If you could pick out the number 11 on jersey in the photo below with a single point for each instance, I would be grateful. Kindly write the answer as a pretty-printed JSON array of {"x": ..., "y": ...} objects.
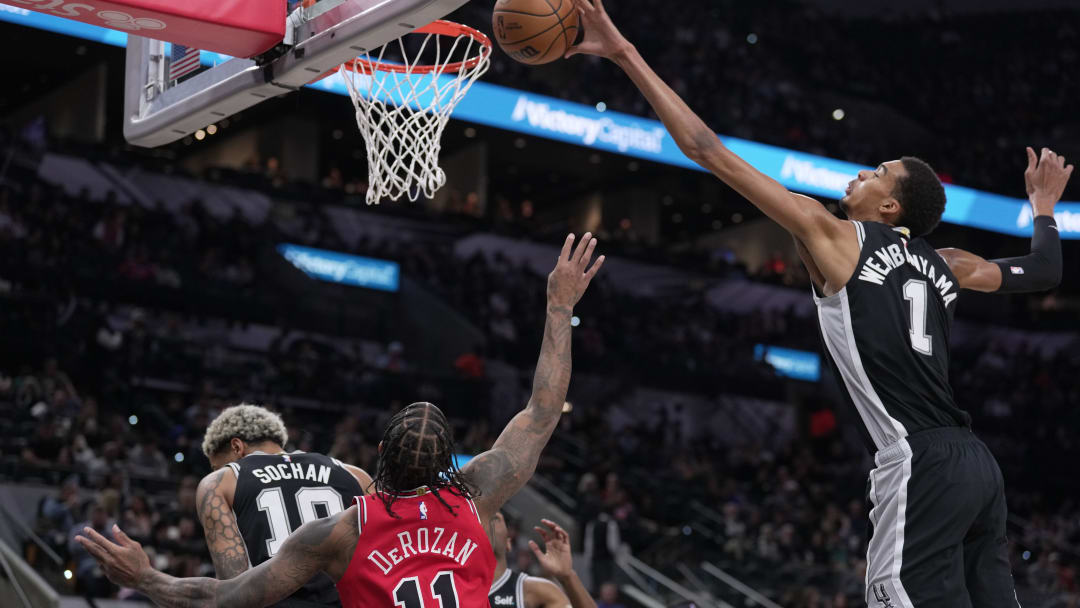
[{"x": 407, "y": 593}]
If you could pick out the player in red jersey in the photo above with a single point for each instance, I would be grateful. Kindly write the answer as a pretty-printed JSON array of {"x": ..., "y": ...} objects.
[
  {"x": 393, "y": 548},
  {"x": 423, "y": 542}
]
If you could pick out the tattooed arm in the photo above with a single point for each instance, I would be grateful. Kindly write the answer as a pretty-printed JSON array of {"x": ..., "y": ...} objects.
[
  {"x": 213, "y": 500},
  {"x": 509, "y": 464},
  {"x": 325, "y": 544}
]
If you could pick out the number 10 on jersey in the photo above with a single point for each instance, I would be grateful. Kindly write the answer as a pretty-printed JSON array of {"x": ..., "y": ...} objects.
[{"x": 271, "y": 501}]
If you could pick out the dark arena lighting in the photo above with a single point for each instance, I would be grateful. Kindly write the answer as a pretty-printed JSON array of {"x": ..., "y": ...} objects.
[{"x": 417, "y": 302}]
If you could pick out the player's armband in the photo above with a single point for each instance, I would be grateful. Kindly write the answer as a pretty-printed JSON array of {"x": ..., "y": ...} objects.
[{"x": 1040, "y": 270}]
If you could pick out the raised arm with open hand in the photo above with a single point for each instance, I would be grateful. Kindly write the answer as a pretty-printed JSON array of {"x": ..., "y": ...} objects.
[
  {"x": 557, "y": 562},
  {"x": 509, "y": 464},
  {"x": 1045, "y": 179}
]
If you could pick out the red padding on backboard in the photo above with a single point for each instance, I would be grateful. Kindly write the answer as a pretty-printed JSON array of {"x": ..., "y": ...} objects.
[{"x": 241, "y": 28}]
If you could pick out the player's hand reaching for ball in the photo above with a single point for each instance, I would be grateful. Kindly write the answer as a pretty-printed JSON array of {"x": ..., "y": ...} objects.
[
  {"x": 556, "y": 559},
  {"x": 572, "y": 274},
  {"x": 1046, "y": 179},
  {"x": 124, "y": 562},
  {"x": 602, "y": 38}
]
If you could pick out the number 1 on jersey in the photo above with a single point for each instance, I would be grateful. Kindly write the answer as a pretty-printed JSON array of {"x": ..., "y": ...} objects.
[
  {"x": 915, "y": 293},
  {"x": 407, "y": 592}
]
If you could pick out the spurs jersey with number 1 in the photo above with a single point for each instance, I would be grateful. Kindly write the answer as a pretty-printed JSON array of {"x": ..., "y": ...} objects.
[
  {"x": 886, "y": 336},
  {"x": 278, "y": 493},
  {"x": 422, "y": 555}
]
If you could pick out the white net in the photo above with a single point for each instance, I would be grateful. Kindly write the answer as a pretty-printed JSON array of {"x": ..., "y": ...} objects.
[{"x": 402, "y": 109}]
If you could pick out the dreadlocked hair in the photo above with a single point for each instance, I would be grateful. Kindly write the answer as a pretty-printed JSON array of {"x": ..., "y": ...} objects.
[{"x": 418, "y": 450}]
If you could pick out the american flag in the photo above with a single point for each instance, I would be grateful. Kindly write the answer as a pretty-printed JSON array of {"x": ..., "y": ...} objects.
[{"x": 185, "y": 60}]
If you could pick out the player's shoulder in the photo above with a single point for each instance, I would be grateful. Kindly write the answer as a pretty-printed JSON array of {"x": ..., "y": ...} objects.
[
  {"x": 318, "y": 457},
  {"x": 461, "y": 501},
  {"x": 539, "y": 582},
  {"x": 302, "y": 455},
  {"x": 823, "y": 217},
  {"x": 541, "y": 588},
  {"x": 215, "y": 479},
  {"x": 221, "y": 482}
]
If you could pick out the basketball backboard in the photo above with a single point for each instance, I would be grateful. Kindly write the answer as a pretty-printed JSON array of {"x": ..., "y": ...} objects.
[{"x": 317, "y": 39}]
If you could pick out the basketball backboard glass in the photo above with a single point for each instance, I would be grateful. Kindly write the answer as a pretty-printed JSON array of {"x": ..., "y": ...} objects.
[{"x": 316, "y": 40}]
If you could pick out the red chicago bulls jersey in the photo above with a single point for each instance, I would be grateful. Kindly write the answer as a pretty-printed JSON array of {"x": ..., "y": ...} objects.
[{"x": 424, "y": 557}]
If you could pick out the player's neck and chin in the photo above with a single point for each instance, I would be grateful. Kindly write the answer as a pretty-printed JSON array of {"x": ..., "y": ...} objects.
[
  {"x": 853, "y": 215},
  {"x": 268, "y": 448},
  {"x": 500, "y": 567}
]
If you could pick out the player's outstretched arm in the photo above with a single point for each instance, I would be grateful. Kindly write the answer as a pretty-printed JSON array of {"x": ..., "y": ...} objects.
[
  {"x": 1045, "y": 178},
  {"x": 213, "y": 502},
  {"x": 324, "y": 544},
  {"x": 509, "y": 464},
  {"x": 557, "y": 562},
  {"x": 698, "y": 141}
]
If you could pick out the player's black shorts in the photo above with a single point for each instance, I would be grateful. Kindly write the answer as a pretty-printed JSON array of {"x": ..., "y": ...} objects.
[{"x": 938, "y": 525}]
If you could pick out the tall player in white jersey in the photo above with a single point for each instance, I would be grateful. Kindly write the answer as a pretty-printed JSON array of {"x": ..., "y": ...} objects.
[{"x": 885, "y": 300}]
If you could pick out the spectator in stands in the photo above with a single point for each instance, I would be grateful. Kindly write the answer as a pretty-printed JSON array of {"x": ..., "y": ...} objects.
[
  {"x": 393, "y": 358},
  {"x": 146, "y": 459},
  {"x": 136, "y": 265},
  {"x": 54, "y": 379},
  {"x": 609, "y": 596},
  {"x": 46, "y": 447},
  {"x": 11, "y": 226},
  {"x": 274, "y": 173},
  {"x": 470, "y": 364},
  {"x": 109, "y": 459},
  {"x": 88, "y": 576},
  {"x": 333, "y": 180},
  {"x": 28, "y": 389},
  {"x": 602, "y": 542},
  {"x": 58, "y": 513},
  {"x": 139, "y": 519},
  {"x": 110, "y": 230}
]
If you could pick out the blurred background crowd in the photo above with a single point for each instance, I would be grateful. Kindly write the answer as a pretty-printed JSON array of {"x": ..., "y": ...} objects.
[
  {"x": 966, "y": 92},
  {"x": 126, "y": 331},
  {"x": 141, "y": 292}
]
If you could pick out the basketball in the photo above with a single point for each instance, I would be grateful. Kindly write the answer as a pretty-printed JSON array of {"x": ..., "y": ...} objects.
[{"x": 535, "y": 31}]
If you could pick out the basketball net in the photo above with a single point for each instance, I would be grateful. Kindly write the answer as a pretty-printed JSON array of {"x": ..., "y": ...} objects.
[{"x": 402, "y": 108}]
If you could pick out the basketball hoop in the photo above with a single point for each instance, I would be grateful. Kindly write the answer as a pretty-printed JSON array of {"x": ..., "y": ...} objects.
[{"x": 402, "y": 108}]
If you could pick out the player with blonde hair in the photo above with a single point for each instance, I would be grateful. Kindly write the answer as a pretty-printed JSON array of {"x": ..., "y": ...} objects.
[
  {"x": 258, "y": 494},
  {"x": 420, "y": 538}
]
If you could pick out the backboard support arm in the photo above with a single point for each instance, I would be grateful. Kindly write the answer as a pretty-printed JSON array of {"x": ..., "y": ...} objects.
[{"x": 157, "y": 114}]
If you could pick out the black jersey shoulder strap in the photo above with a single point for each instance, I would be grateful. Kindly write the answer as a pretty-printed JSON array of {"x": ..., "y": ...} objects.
[{"x": 508, "y": 591}]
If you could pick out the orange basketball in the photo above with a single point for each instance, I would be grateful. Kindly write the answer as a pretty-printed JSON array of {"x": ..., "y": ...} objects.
[{"x": 535, "y": 31}]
